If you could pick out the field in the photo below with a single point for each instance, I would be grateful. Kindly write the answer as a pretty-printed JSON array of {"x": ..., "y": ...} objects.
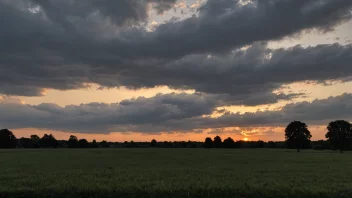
[{"x": 172, "y": 173}]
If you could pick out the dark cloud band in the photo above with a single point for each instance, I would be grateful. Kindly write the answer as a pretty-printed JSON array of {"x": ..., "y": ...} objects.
[
  {"x": 165, "y": 113},
  {"x": 66, "y": 44}
]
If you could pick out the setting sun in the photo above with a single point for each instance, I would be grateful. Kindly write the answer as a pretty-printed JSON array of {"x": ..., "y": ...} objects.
[{"x": 245, "y": 139}]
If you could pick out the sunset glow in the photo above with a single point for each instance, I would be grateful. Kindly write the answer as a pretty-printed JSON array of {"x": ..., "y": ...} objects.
[
  {"x": 176, "y": 98},
  {"x": 174, "y": 70}
]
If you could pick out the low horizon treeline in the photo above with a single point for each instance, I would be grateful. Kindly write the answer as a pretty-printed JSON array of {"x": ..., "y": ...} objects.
[
  {"x": 49, "y": 141},
  {"x": 297, "y": 136}
]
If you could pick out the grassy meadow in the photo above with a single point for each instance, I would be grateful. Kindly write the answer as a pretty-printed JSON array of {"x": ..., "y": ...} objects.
[{"x": 172, "y": 173}]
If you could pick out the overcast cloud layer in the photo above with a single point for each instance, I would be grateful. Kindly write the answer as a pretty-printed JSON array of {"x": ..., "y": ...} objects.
[
  {"x": 165, "y": 113},
  {"x": 66, "y": 44}
]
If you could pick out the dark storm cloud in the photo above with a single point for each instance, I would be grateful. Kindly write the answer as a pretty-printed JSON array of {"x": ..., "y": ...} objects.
[
  {"x": 252, "y": 74},
  {"x": 121, "y": 12},
  {"x": 315, "y": 112},
  {"x": 164, "y": 113},
  {"x": 66, "y": 44},
  {"x": 223, "y": 25},
  {"x": 126, "y": 115},
  {"x": 103, "y": 118}
]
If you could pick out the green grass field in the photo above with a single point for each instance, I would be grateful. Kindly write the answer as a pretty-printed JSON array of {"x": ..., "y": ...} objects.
[{"x": 175, "y": 173}]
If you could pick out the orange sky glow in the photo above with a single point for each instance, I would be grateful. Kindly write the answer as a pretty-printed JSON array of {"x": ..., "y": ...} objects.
[
  {"x": 106, "y": 82},
  {"x": 277, "y": 134}
]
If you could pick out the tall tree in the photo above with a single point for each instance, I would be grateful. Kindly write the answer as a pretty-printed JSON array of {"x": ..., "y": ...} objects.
[
  {"x": 104, "y": 144},
  {"x": 82, "y": 143},
  {"x": 297, "y": 135},
  {"x": 339, "y": 134},
  {"x": 153, "y": 143},
  {"x": 94, "y": 144},
  {"x": 229, "y": 143},
  {"x": 26, "y": 143},
  {"x": 35, "y": 139},
  {"x": 217, "y": 142},
  {"x": 7, "y": 139},
  {"x": 208, "y": 143},
  {"x": 48, "y": 141},
  {"x": 72, "y": 142}
]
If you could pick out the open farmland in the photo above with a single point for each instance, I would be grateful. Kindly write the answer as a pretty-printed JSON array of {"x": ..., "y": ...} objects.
[{"x": 174, "y": 173}]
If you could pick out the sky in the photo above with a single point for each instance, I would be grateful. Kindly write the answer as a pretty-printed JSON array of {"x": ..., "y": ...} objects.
[{"x": 174, "y": 70}]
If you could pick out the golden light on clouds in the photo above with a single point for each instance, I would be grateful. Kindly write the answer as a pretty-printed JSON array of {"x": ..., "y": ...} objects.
[
  {"x": 113, "y": 95},
  {"x": 197, "y": 4},
  {"x": 92, "y": 93},
  {"x": 181, "y": 4},
  {"x": 249, "y": 131}
]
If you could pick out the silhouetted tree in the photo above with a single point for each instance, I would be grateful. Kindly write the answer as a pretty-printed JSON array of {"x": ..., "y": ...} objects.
[
  {"x": 240, "y": 144},
  {"x": 72, "y": 142},
  {"x": 153, "y": 143},
  {"x": 83, "y": 143},
  {"x": 104, "y": 144},
  {"x": 261, "y": 144},
  {"x": 7, "y": 139},
  {"x": 297, "y": 135},
  {"x": 26, "y": 143},
  {"x": 339, "y": 134},
  {"x": 132, "y": 144},
  {"x": 167, "y": 144},
  {"x": 62, "y": 144},
  {"x": 208, "y": 143},
  {"x": 35, "y": 139},
  {"x": 191, "y": 144},
  {"x": 229, "y": 143},
  {"x": 94, "y": 144},
  {"x": 48, "y": 141},
  {"x": 217, "y": 142}
]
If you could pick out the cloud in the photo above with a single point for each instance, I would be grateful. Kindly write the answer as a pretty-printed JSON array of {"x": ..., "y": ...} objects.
[
  {"x": 226, "y": 24},
  {"x": 269, "y": 132},
  {"x": 257, "y": 69},
  {"x": 122, "y": 12},
  {"x": 166, "y": 113},
  {"x": 252, "y": 74},
  {"x": 163, "y": 5},
  {"x": 313, "y": 113},
  {"x": 67, "y": 44},
  {"x": 104, "y": 118},
  {"x": 224, "y": 131}
]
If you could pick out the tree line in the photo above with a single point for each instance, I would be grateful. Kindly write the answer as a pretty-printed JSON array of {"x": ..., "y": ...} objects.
[
  {"x": 297, "y": 136},
  {"x": 339, "y": 135}
]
